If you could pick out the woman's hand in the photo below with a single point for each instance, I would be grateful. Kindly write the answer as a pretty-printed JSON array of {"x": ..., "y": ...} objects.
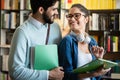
[
  {"x": 98, "y": 51},
  {"x": 101, "y": 71}
]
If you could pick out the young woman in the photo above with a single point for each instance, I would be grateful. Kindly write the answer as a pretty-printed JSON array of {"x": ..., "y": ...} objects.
[{"x": 78, "y": 48}]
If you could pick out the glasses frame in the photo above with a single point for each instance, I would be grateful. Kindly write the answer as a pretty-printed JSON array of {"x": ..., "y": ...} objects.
[{"x": 75, "y": 15}]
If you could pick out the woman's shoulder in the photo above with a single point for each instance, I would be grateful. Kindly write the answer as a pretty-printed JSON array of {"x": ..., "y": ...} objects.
[{"x": 68, "y": 37}]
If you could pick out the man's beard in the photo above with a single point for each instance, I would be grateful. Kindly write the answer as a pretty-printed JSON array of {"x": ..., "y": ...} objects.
[{"x": 46, "y": 18}]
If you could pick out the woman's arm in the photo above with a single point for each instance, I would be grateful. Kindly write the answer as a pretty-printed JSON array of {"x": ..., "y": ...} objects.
[{"x": 66, "y": 58}]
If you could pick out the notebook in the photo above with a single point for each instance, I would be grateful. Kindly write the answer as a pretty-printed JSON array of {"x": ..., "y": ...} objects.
[
  {"x": 44, "y": 57},
  {"x": 95, "y": 64}
]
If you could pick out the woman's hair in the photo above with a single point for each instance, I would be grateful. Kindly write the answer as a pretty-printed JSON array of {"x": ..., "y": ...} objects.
[
  {"x": 81, "y": 8},
  {"x": 35, "y": 4}
]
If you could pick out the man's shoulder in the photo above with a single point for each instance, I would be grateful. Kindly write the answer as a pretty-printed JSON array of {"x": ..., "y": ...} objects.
[
  {"x": 55, "y": 27},
  {"x": 55, "y": 24},
  {"x": 24, "y": 27}
]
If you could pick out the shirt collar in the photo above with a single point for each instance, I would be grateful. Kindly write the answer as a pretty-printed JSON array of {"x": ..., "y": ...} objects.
[
  {"x": 36, "y": 23},
  {"x": 73, "y": 35}
]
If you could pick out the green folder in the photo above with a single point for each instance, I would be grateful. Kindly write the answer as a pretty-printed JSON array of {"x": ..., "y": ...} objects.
[
  {"x": 95, "y": 64},
  {"x": 44, "y": 57}
]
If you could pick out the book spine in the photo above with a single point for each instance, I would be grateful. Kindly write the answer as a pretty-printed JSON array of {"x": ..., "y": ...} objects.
[{"x": 108, "y": 44}]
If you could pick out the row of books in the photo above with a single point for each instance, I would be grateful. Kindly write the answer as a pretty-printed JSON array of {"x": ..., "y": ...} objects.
[
  {"x": 101, "y": 21},
  {"x": 4, "y": 76},
  {"x": 90, "y": 4},
  {"x": 113, "y": 43},
  {"x": 15, "y": 4},
  {"x": 8, "y": 4},
  {"x": 11, "y": 20},
  {"x": 4, "y": 63},
  {"x": 109, "y": 42}
]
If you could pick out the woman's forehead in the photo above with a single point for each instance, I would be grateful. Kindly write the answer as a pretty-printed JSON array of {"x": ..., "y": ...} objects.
[{"x": 74, "y": 10}]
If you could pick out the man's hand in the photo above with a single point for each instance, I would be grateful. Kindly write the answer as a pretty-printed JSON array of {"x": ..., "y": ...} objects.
[{"x": 56, "y": 74}]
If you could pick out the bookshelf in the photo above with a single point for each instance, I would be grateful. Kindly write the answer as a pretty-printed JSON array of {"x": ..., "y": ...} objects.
[
  {"x": 19, "y": 10},
  {"x": 13, "y": 13},
  {"x": 107, "y": 34},
  {"x": 106, "y": 28}
]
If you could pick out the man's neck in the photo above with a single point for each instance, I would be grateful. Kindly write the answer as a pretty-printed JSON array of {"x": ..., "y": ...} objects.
[{"x": 38, "y": 18}]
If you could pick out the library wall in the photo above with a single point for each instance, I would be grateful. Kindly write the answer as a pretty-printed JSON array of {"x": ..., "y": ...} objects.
[
  {"x": 104, "y": 26},
  {"x": 13, "y": 14}
]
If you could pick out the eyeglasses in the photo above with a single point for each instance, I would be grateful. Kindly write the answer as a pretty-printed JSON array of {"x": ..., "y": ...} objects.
[{"x": 75, "y": 15}]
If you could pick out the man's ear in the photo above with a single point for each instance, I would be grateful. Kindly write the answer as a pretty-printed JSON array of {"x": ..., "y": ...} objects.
[{"x": 41, "y": 10}]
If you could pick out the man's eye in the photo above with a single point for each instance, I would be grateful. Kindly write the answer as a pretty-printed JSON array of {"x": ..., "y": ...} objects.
[{"x": 55, "y": 9}]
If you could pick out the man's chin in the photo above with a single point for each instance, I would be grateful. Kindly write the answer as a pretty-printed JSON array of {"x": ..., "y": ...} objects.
[{"x": 50, "y": 22}]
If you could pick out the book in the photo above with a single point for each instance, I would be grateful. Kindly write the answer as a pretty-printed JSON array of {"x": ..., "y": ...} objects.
[
  {"x": 115, "y": 75},
  {"x": 95, "y": 64},
  {"x": 44, "y": 57},
  {"x": 4, "y": 62}
]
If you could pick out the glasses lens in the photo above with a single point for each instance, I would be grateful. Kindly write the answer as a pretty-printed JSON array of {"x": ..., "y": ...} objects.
[
  {"x": 69, "y": 16},
  {"x": 77, "y": 15}
]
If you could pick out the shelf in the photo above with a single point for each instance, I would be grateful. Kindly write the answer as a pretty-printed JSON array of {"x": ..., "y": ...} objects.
[
  {"x": 5, "y": 72},
  {"x": 4, "y": 46},
  {"x": 108, "y": 78},
  {"x": 8, "y": 10},
  {"x": 99, "y": 33},
  {"x": 112, "y": 56},
  {"x": 106, "y": 11},
  {"x": 114, "y": 33}
]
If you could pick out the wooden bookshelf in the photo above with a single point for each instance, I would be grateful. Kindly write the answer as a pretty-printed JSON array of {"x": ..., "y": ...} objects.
[
  {"x": 12, "y": 14},
  {"x": 112, "y": 47}
]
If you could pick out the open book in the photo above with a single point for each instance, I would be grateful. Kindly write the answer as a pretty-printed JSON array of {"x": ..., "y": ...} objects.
[
  {"x": 95, "y": 64},
  {"x": 44, "y": 57}
]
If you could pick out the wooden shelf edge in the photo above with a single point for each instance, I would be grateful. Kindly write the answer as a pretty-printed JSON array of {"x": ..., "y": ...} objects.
[
  {"x": 112, "y": 56},
  {"x": 4, "y": 46}
]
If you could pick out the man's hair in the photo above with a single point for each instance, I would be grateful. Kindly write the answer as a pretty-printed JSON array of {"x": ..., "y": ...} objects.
[{"x": 35, "y": 4}]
